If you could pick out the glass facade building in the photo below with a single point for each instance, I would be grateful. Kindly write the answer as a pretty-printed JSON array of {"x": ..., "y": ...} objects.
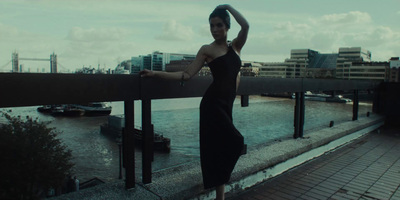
[{"x": 157, "y": 61}]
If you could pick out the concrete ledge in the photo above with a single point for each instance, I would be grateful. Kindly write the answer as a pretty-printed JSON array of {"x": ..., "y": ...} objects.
[
  {"x": 259, "y": 164},
  {"x": 110, "y": 191}
]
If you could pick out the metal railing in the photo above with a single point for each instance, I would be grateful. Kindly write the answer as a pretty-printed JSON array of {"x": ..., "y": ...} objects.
[{"x": 29, "y": 89}]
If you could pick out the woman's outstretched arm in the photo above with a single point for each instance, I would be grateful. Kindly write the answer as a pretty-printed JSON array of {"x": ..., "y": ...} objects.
[
  {"x": 240, "y": 40},
  {"x": 190, "y": 71}
]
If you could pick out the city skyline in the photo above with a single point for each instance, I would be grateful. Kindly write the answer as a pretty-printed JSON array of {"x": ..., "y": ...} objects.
[{"x": 105, "y": 33}]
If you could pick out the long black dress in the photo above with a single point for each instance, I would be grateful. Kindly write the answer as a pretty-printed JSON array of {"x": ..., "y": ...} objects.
[{"x": 220, "y": 142}]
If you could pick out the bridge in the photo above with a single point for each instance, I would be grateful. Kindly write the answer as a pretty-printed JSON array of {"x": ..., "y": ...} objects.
[
  {"x": 16, "y": 67},
  {"x": 24, "y": 89}
]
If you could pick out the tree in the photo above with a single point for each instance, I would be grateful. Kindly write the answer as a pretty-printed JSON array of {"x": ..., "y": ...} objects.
[{"x": 33, "y": 160}]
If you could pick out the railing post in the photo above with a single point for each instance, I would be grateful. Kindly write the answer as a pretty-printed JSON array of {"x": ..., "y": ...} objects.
[
  {"x": 302, "y": 113},
  {"x": 120, "y": 158},
  {"x": 333, "y": 93},
  {"x": 299, "y": 110},
  {"x": 147, "y": 141},
  {"x": 296, "y": 118},
  {"x": 244, "y": 100},
  {"x": 355, "y": 105},
  {"x": 124, "y": 147},
  {"x": 129, "y": 145},
  {"x": 376, "y": 100}
]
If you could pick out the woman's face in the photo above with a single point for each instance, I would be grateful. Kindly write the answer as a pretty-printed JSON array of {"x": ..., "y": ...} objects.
[{"x": 218, "y": 28}]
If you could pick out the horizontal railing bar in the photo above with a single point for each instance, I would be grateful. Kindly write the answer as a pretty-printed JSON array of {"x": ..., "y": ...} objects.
[{"x": 29, "y": 89}]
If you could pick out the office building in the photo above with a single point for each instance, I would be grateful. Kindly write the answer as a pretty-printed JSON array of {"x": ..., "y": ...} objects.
[
  {"x": 363, "y": 71},
  {"x": 279, "y": 70},
  {"x": 123, "y": 68},
  {"x": 354, "y": 63},
  {"x": 250, "y": 69},
  {"x": 177, "y": 65},
  {"x": 353, "y": 54},
  {"x": 157, "y": 61},
  {"x": 394, "y": 62},
  {"x": 302, "y": 63},
  {"x": 351, "y": 63}
]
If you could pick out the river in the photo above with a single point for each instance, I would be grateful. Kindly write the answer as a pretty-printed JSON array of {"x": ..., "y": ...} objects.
[{"x": 266, "y": 119}]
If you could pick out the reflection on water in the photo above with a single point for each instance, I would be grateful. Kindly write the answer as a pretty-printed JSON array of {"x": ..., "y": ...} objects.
[{"x": 266, "y": 119}]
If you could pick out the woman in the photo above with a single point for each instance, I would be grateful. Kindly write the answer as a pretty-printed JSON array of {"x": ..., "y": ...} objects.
[{"x": 220, "y": 143}]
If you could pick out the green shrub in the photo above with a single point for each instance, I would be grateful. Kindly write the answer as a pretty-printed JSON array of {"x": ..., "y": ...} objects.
[{"x": 32, "y": 159}]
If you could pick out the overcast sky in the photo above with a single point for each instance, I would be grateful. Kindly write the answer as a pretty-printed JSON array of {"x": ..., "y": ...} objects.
[{"x": 92, "y": 32}]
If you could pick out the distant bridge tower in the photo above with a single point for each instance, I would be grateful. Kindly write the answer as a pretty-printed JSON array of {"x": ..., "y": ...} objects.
[
  {"x": 15, "y": 62},
  {"x": 53, "y": 63}
]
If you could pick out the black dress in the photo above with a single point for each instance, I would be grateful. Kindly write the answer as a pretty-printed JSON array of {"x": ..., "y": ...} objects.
[{"x": 220, "y": 142}]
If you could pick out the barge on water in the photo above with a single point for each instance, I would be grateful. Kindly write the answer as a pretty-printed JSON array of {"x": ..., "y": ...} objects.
[
  {"x": 114, "y": 128},
  {"x": 311, "y": 96},
  {"x": 73, "y": 110},
  {"x": 324, "y": 97}
]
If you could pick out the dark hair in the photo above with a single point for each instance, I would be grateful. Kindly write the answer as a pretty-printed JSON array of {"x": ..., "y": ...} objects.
[{"x": 222, "y": 14}]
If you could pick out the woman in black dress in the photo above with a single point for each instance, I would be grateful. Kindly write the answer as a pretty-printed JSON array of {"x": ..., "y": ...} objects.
[{"x": 220, "y": 143}]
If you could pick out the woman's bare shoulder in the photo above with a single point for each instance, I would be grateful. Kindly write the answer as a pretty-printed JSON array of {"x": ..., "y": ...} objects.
[{"x": 206, "y": 49}]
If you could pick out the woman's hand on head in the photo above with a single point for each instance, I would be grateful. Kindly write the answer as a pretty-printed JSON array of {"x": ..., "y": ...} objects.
[
  {"x": 146, "y": 73},
  {"x": 223, "y": 6}
]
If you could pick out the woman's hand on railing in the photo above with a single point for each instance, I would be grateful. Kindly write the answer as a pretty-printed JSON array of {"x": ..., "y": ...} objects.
[{"x": 146, "y": 73}]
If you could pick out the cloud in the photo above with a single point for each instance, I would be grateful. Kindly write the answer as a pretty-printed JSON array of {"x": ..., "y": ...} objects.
[
  {"x": 380, "y": 36},
  {"x": 15, "y": 39},
  {"x": 353, "y": 29},
  {"x": 353, "y": 17},
  {"x": 174, "y": 31},
  {"x": 96, "y": 35},
  {"x": 7, "y": 31},
  {"x": 326, "y": 34},
  {"x": 290, "y": 27},
  {"x": 204, "y": 31},
  {"x": 107, "y": 46}
]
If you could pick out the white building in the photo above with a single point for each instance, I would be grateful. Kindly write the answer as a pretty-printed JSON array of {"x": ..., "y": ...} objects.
[
  {"x": 394, "y": 62},
  {"x": 279, "y": 70},
  {"x": 363, "y": 71},
  {"x": 353, "y": 54},
  {"x": 354, "y": 63}
]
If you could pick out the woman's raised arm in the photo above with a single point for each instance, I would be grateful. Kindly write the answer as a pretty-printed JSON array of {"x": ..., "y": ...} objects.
[{"x": 240, "y": 40}]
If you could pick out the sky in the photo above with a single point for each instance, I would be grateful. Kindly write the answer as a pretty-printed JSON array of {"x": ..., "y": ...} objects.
[{"x": 100, "y": 33}]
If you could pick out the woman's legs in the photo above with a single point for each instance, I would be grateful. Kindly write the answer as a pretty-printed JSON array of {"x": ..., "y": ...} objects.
[{"x": 220, "y": 190}]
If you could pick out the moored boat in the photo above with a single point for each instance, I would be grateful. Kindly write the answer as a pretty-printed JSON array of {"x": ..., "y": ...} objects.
[
  {"x": 161, "y": 143},
  {"x": 95, "y": 108},
  {"x": 324, "y": 97},
  {"x": 57, "y": 110},
  {"x": 61, "y": 110},
  {"x": 45, "y": 109},
  {"x": 116, "y": 124},
  {"x": 70, "y": 110}
]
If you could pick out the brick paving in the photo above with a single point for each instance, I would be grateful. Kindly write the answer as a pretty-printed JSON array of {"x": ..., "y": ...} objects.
[{"x": 368, "y": 168}]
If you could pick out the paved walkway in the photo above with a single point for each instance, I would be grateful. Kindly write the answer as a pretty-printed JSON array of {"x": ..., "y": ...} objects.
[{"x": 368, "y": 168}]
